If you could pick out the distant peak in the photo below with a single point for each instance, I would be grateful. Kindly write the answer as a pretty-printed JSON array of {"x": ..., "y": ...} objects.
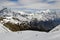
[{"x": 47, "y": 10}]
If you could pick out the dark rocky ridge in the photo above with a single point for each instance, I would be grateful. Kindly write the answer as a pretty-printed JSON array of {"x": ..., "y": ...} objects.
[
  {"x": 44, "y": 25},
  {"x": 35, "y": 25}
]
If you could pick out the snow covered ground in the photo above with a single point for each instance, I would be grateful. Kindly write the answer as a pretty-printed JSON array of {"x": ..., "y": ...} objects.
[{"x": 30, "y": 35}]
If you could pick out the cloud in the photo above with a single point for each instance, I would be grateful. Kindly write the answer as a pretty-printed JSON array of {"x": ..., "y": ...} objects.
[
  {"x": 41, "y": 4},
  {"x": 7, "y": 3},
  {"x": 36, "y": 4},
  {"x": 25, "y": 2},
  {"x": 14, "y": 0}
]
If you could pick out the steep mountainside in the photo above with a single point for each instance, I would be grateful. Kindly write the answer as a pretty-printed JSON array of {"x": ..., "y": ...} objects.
[{"x": 42, "y": 21}]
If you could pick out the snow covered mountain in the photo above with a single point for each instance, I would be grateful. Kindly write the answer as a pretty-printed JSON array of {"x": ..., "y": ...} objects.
[
  {"x": 40, "y": 20},
  {"x": 13, "y": 22},
  {"x": 41, "y": 15}
]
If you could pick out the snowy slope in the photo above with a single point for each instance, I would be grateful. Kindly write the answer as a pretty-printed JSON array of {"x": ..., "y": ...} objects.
[
  {"x": 30, "y": 35},
  {"x": 57, "y": 28},
  {"x": 4, "y": 29}
]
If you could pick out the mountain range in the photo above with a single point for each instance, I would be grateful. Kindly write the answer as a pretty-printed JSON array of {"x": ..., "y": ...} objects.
[{"x": 44, "y": 20}]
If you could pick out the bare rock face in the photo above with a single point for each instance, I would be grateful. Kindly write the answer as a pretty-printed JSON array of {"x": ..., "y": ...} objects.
[
  {"x": 44, "y": 25},
  {"x": 34, "y": 25}
]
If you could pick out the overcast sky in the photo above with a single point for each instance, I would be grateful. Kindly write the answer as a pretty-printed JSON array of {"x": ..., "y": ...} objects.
[{"x": 34, "y": 4}]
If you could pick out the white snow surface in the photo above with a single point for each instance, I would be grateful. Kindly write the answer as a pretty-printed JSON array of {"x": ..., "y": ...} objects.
[
  {"x": 57, "y": 28},
  {"x": 30, "y": 35}
]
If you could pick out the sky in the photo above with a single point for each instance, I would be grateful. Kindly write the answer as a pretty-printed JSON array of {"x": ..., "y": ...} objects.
[{"x": 34, "y": 4}]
